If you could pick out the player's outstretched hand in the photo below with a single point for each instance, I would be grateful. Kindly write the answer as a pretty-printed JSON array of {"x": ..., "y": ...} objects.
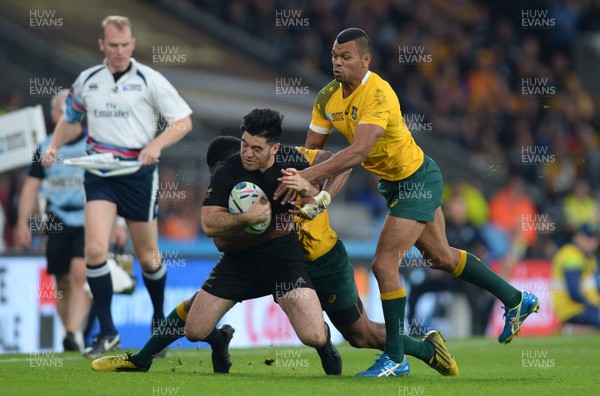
[
  {"x": 292, "y": 179},
  {"x": 286, "y": 194},
  {"x": 292, "y": 184}
]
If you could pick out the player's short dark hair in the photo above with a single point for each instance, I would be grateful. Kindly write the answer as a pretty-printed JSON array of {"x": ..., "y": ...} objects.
[
  {"x": 221, "y": 148},
  {"x": 264, "y": 123},
  {"x": 362, "y": 39}
]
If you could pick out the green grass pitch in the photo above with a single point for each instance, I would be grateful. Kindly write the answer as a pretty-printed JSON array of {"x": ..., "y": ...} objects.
[{"x": 528, "y": 366}]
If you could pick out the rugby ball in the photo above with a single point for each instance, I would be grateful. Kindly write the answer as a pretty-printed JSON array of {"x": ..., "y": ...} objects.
[{"x": 242, "y": 196}]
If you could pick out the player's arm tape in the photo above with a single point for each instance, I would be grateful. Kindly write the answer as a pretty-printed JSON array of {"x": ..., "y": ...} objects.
[{"x": 323, "y": 199}]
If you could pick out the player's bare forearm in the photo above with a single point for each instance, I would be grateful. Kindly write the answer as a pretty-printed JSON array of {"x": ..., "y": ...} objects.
[
  {"x": 216, "y": 221},
  {"x": 335, "y": 184},
  {"x": 341, "y": 162},
  {"x": 363, "y": 141},
  {"x": 315, "y": 140},
  {"x": 173, "y": 133},
  {"x": 27, "y": 202},
  {"x": 64, "y": 132},
  {"x": 28, "y": 198}
]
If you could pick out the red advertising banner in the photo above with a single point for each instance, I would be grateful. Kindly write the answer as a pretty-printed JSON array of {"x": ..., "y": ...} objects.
[{"x": 535, "y": 276}]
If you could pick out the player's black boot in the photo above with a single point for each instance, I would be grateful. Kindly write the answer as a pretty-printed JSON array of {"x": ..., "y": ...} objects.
[
  {"x": 70, "y": 343},
  {"x": 330, "y": 357},
  {"x": 102, "y": 344},
  {"x": 221, "y": 359}
]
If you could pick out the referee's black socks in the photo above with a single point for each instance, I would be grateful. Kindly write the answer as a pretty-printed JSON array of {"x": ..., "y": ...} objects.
[
  {"x": 100, "y": 282},
  {"x": 155, "y": 283}
]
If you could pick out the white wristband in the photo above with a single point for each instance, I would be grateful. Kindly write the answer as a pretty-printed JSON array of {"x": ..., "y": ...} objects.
[{"x": 323, "y": 200}]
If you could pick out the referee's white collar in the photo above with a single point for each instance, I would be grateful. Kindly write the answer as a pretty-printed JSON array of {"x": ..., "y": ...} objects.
[
  {"x": 366, "y": 77},
  {"x": 133, "y": 64}
]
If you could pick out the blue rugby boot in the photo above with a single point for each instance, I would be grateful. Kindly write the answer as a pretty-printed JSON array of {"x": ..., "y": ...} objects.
[
  {"x": 385, "y": 367},
  {"x": 514, "y": 317}
]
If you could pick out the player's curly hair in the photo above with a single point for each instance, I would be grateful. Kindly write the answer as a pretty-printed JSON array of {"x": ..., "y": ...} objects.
[
  {"x": 221, "y": 148},
  {"x": 264, "y": 123}
]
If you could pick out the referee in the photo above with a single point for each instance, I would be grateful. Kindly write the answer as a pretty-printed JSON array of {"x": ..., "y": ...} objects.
[{"x": 122, "y": 100}]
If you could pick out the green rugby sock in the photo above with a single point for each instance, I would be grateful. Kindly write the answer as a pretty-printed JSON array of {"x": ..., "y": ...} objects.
[
  {"x": 170, "y": 329},
  {"x": 393, "y": 304},
  {"x": 474, "y": 271},
  {"x": 418, "y": 348}
]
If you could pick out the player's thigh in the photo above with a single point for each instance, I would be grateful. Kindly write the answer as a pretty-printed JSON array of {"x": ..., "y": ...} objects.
[
  {"x": 187, "y": 304},
  {"x": 144, "y": 237},
  {"x": 397, "y": 236},
  {"x": 99, "y": 219},
  {"x": 433, "y": 244},
  {"x": 204, "y": 314},
  {"x": 303, "y": 309}
]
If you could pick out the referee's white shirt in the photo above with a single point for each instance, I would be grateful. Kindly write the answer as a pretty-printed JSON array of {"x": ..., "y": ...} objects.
[{"x": 124, "y": 113}]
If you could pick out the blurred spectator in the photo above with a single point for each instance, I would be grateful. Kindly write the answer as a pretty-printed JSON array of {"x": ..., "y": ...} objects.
[
  {"x": 575, "y": 278},
  {"x": 181, "y": 221},
  {"x": 514, "y": 213},
  {"x": 476, "y": 206},
  {"x": 579, "y": 207},
  {"x": 178, "y": 216},
  {"x": 12, "y": 99}
]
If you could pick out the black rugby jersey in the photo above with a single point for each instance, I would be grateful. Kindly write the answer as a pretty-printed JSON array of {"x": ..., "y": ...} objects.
[{"x": 231, "y": 172}]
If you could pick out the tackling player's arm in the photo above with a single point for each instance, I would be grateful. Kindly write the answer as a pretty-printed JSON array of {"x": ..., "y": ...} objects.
[
  {"x": 292, "y": 179},
  {"x": 316, "y": 140},
  {"x": 335, "y": 184},
  {"x": 365, "y": 137},
  {"x": 217, "y": 221},
  {"x": 314, "y": 199}
]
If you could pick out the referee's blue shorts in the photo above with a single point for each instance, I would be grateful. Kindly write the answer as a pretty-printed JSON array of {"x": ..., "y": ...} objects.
[{"x": 136, "y": 195}]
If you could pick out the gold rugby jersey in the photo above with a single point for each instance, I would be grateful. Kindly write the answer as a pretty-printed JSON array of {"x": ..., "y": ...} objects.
[{"x": 395, "y": 155}]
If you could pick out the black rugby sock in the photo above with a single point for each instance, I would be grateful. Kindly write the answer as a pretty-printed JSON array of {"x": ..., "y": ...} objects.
[
  {"x": 100, "y": 282},
  {"x": 155, "y": 283}
]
